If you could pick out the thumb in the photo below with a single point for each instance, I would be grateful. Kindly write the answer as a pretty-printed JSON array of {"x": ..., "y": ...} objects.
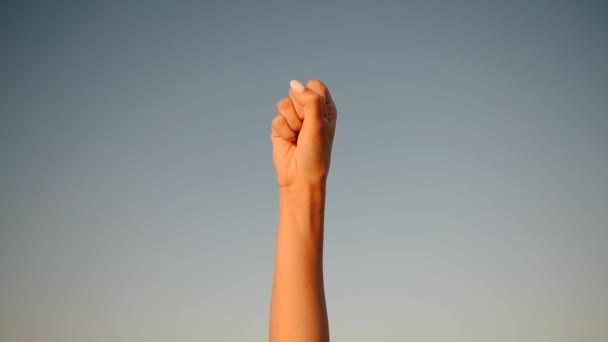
[{"x": 309, "y": 104}]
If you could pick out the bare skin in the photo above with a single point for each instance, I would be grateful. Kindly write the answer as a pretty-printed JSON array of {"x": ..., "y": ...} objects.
[{"x": 302, "y": 138}]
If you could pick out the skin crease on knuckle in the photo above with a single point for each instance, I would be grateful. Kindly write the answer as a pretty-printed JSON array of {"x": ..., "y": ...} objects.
[
  {"x": 277, "y": 126},
  {"x": 285, "y": 108},
  {"x": 320, "y": 88},
  {"x": 317, "y": 85},
  {"x": 284, "y": 130}
]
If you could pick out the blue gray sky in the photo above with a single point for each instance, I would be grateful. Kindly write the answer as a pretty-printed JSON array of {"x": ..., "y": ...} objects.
[{"x": 467, "y": 201}]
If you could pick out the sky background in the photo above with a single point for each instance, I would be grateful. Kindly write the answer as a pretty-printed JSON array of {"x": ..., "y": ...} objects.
[{"x": 467, "y": 201}]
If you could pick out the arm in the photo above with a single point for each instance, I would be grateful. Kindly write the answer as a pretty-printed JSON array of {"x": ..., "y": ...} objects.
[
  {"x": 298, "y": 311},
  {"x": 302, "y": 137}
]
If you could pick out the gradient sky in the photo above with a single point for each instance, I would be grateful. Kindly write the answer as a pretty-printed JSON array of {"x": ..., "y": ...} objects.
[{"x": 467, "y": 201}]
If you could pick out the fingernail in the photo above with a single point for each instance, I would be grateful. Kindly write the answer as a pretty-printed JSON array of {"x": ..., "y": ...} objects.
[{"x": 297, "y": 86}]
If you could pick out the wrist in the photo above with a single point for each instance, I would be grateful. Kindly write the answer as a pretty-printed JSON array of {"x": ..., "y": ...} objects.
[
  {"x": 302, "y": 209},
  {"x": 307, "y": 192}
]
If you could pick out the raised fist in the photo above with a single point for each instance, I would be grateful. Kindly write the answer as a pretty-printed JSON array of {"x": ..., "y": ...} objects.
[{"x": 303, "y": 133}]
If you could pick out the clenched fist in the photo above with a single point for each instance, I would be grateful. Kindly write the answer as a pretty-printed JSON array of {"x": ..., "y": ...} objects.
[{"x": 303, "y": 134}]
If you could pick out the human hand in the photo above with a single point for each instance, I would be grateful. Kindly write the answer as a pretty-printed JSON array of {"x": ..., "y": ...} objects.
[{"x": 302, "y": 135}]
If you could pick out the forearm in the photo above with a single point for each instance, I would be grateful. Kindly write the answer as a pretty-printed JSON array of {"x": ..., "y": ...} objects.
[{"x": 298, "y": 310}]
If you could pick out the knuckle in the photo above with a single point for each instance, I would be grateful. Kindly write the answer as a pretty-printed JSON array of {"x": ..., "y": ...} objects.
[
  {"x": 277, "y": 120},
  {"x": 316, "y": 83},
  {"x": 283, "y": 103},
  {"x": 287, "y": 134}
]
